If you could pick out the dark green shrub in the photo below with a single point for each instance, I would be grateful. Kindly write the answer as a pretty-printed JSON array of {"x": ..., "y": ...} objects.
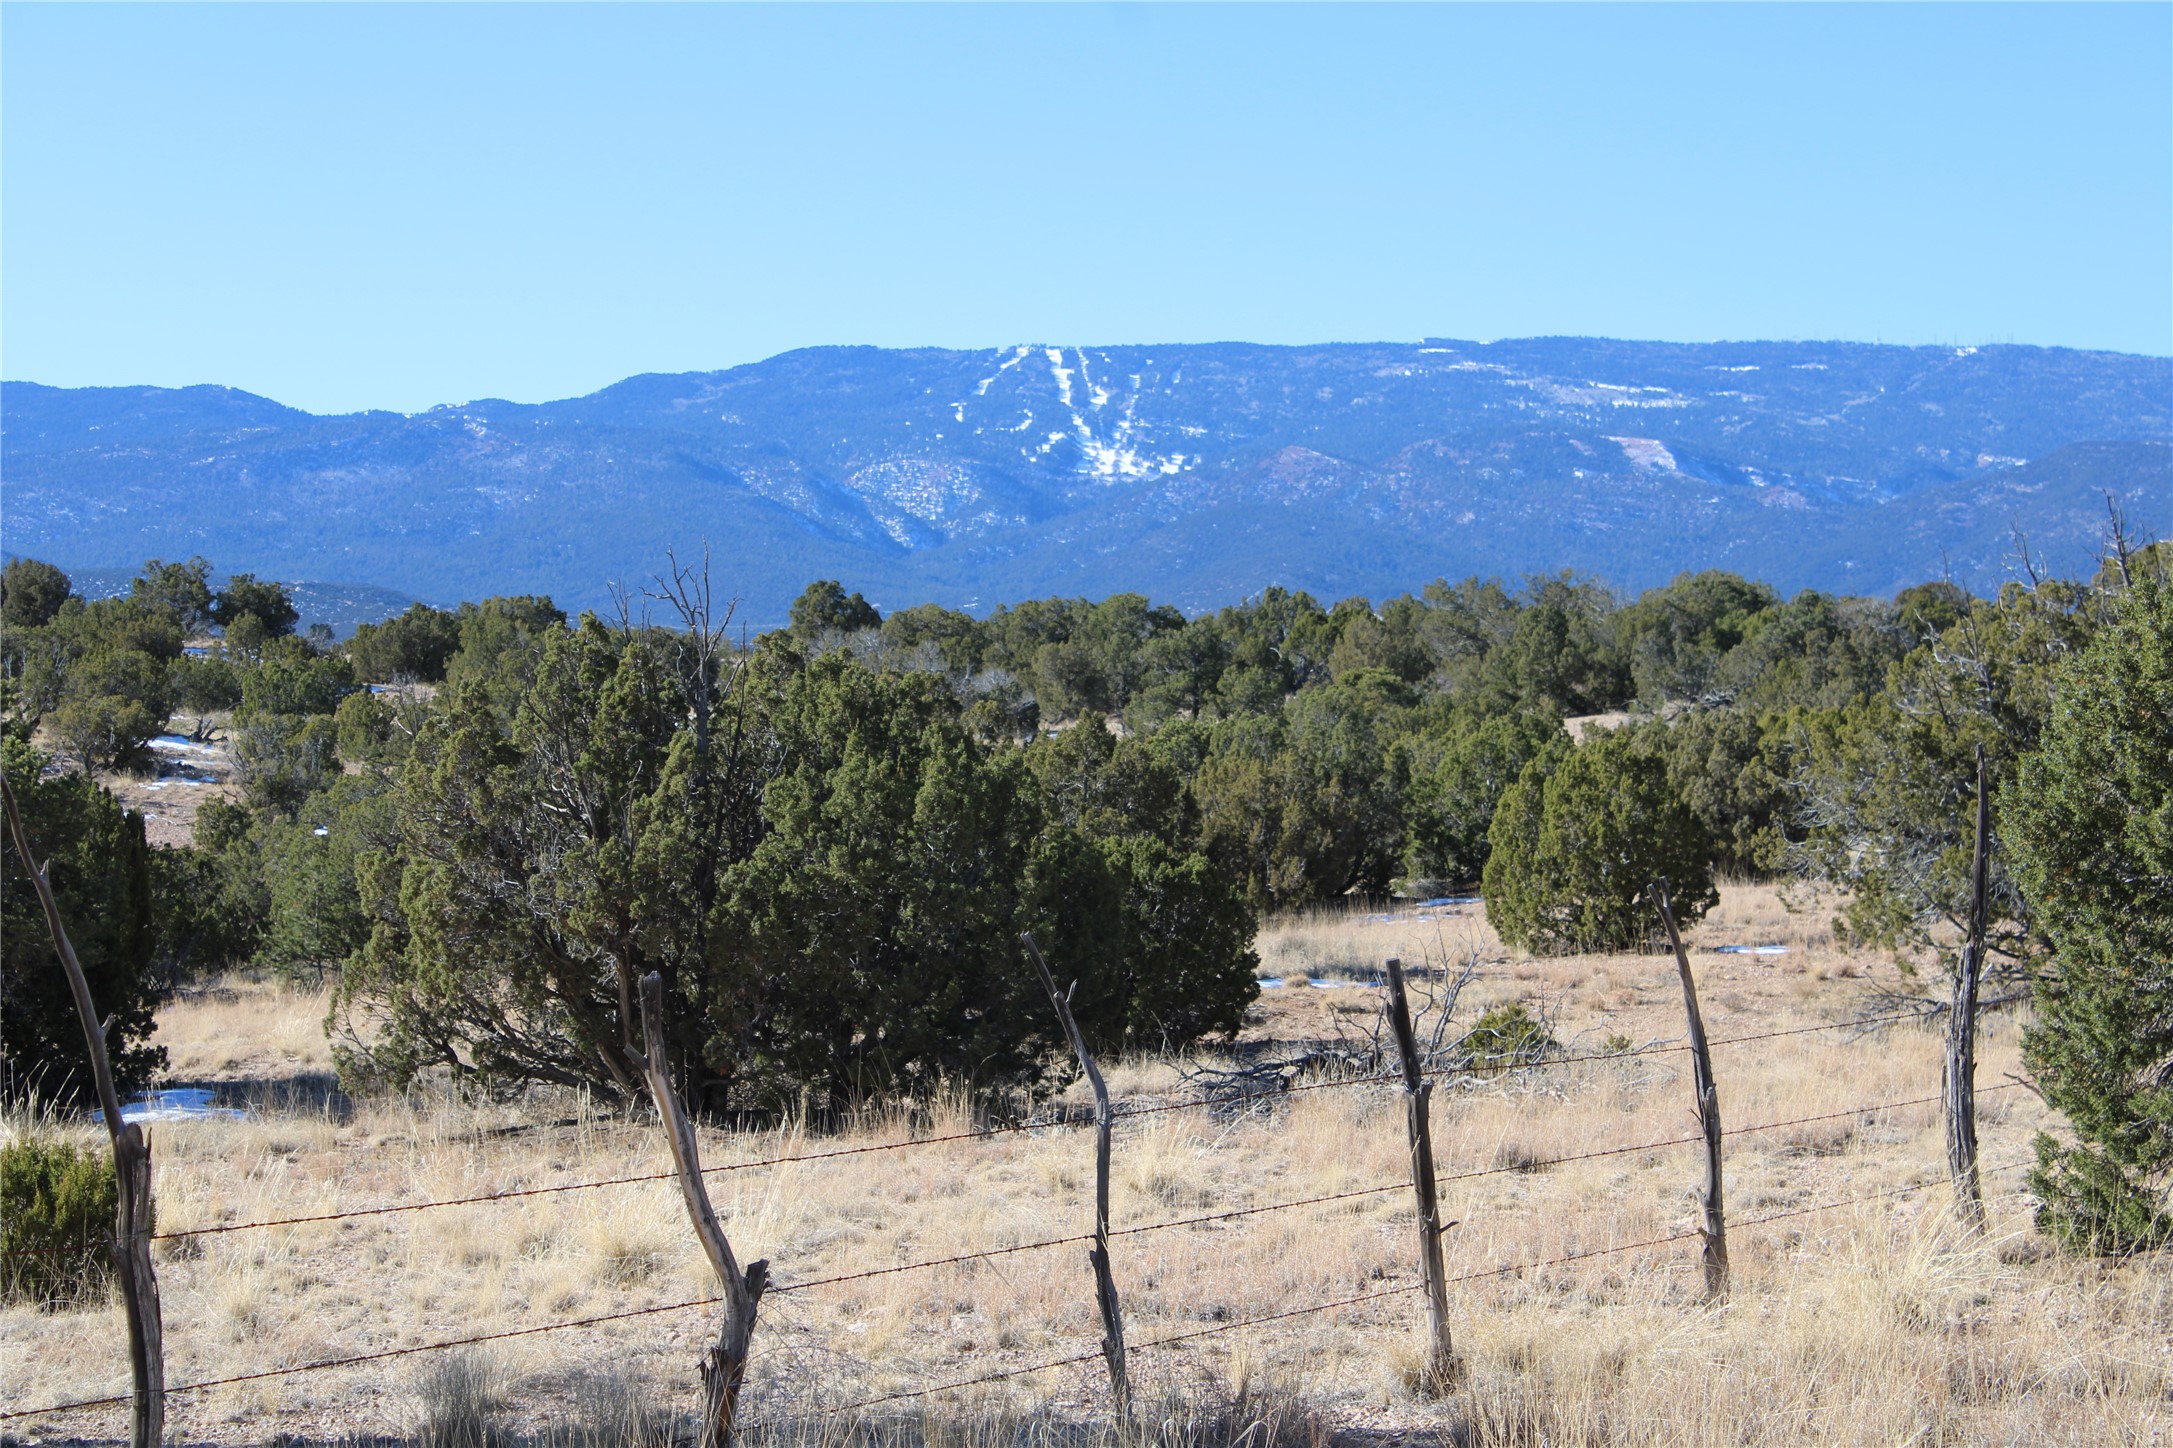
[
  {"x": 1506, "y": 1036},
  {"x": 2090, "y": 820},
  {"x": 415, "y": 646},
  {"x": 31, "y": 592},
  {"x": 1578, "y": 840},
  {"x": 57, "y": 1210},
  {"x": 101, "y": 876},
  {"x": 1455, "y": 783}
]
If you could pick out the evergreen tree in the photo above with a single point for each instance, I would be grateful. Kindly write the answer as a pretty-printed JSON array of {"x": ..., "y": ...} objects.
[
  {"x": 1457, "y": 776},
  {"x": 246, "y": 596},
  {"x": 825, "y": 607},
  {"x": 181, "y": 591},
  {"x": 100, "y": 872},
  {"x": 413, "y": 647},
  {"x": 2090, "y": 821},
  {"x": 1884, "y": 786},
  {"x": 31, "y": 592},
  {"x": 1577, "y": 841}
]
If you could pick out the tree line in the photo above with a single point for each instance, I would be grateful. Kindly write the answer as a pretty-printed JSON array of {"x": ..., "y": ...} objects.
[{"x": 827, "y": 838}]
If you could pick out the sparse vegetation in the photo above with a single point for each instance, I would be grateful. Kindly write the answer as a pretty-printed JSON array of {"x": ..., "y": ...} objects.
[{"x": 1871, "y": 1323}]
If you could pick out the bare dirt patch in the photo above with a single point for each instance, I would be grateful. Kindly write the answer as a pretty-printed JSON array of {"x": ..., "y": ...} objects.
[{"x": 185, "y": 773}]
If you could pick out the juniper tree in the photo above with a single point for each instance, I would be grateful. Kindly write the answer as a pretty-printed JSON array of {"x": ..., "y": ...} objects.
[
  {"x": 1577, "y": 841},
  {"x": 2089, "y": 819}
]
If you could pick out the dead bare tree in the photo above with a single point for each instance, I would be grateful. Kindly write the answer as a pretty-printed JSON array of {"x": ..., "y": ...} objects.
[
  {"x": 724, "y": 1366},
  {"x": 1715, "y": 1229},
  {"x": 1105, "y": 1282},
  {"x": 1961, "y": 1058},
  {"x": 1354, "y": 1051},
  {"x": 2119, "y": 540}
]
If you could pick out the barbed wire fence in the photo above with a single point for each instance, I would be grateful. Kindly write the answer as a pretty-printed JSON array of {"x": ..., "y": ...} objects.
[
  {"x": 1129, "y": 1112},
  {"x": 987, "y": 1133}
]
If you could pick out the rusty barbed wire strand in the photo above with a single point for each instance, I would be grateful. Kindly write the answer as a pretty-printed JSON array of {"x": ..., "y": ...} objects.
[
  {"x": 979, "y": 1134},
  {"x": 1479, "y": 1275},
  {"x": 1054, "y": 1242}
]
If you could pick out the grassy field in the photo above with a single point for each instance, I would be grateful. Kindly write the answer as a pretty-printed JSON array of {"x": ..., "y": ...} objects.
[{"x": 1873, "y": 1322}]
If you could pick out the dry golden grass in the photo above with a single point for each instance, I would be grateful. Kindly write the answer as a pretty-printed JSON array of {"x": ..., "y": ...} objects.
[{"x": 1876, "y": 1322}]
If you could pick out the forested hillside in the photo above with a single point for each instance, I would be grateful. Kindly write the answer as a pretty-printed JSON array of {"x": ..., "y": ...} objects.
[{"x": 486, "y": 823}]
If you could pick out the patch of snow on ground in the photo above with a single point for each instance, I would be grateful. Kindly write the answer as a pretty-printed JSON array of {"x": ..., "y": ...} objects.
[
  {"x": 1061, "y": 373},
  {"x": 185, "y": 1103}
]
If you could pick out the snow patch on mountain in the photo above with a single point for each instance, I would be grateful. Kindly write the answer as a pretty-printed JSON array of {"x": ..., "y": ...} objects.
[
  {"x": 1061, "y": 373},
  {"x": 1019, "y": 355},
  {"x": 1646, "y": 452},
  {"x": 944, "y": 495}
]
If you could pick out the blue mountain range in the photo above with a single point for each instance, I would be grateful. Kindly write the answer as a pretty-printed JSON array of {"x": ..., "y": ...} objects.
[{"x": 1196, "y": 474}]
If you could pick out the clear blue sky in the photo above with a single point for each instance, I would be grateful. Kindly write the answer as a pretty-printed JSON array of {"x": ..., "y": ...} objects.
[{"x": 401, "y": 205}]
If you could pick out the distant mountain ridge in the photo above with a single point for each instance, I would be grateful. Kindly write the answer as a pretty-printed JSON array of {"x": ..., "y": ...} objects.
[
  {"x": 1194, "y": 473},
  {"x": 338, "y": 606}
]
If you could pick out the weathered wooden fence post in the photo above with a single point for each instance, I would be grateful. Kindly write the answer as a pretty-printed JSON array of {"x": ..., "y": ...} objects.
[
  {"x": 1105, "y": 1283},
  {"x": 131, "y": 1172},
  {"x": 1442, "y": 1369},
  {"x": 1961, "y": 1066},
  {"x": 1715, "y": 1231},
  {"x": 724, "y": 1367}
]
